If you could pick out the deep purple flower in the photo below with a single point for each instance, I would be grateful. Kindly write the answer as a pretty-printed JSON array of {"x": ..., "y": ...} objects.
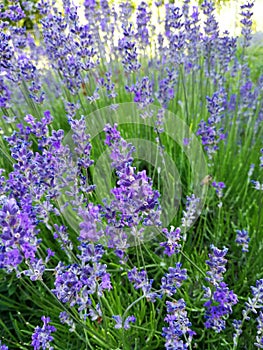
[
  {"x": 218, "y": 306},
  {"x": 41, "y": 338},
  {"x": 209, "y": 131}
]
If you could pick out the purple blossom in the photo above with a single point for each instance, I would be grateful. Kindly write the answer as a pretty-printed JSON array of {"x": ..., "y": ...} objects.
[
  {"x": 218, "y": 306},
  {"x": 126, "y": 324},
  {"x": 191, "y": 211},
  {"x": 242, "y": 239},
  {"x": 246, "y": 22},
  {"x": 210, "y": 134},
  {"x": 219, "y": 298},
  {"x": 135, "y": 203},
  {"x": 173, "y": 279},
  {"x": 3, "y": 346},
  {"x": 179, "y": 326},
  {"x": 219, "y": 186},
  {"x": 128, "y": 50},
  {"x": 254, "y": 303},
  {"x": 172, "y": 245},
  {"x": 259, "y": 338},
  {"x": 65, "y": 318},
  {"x": 140, "y": 281},
  {"x": 76, "y": 282},
  {"x": 41, "y": 338}
]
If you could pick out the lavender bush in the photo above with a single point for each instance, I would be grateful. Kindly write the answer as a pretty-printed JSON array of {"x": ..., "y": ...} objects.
[{"x": 130, "y": 178}]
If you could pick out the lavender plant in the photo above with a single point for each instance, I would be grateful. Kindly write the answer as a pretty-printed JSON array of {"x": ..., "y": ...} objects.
[{"x": 109, "y": 272}]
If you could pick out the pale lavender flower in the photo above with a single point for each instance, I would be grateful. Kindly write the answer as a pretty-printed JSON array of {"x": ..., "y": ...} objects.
[
  {"x": 254, "y": 303},
  {"x": 191, "y": 212},
  {"x": 242, "y": 239},
  {"x": 140, "y": 281},
  {"x": 65, "y": 318},
  {"x": 172, "y": 245},
  {"x": 123, "y": 324},
  {"x": 259, "y": 338}
]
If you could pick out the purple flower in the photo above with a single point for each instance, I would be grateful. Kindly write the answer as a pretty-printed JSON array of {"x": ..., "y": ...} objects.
[
  {"x": 41, "y": 338},
  {"x": 243, "y": 239},
  {"x": 126, "y": 324},
  {"x": 219, "y": 186},
  {"x": 220, "y": 298},
  {"x": 172, "y": 245},
  {"x": 246, "y": 22},
  {"x": 173, "y": 279},
  {"x": 178, "y": 326},
  {"x": 257, "y": 185},
  {"x": 65, "y": 318},
  {"x": 140, "y": 281},
  {"x": 210, "y": 134},
  {"x": 218, "y": 306},
  {"x": 259, "y": 338},
  {"x": 191, "y": 211},
  {"x": 135, "y": 203},
  {"x": 254, "y": 303},
  {"x": 261, "y": 158},
  {"x": 3, "y": 346}
]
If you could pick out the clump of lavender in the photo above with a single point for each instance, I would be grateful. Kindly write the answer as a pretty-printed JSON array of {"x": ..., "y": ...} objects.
[
  {"x": 242, "y": 239},
  {"x": 41, "y": 338},
  {"x": 250, "y": 306},
  {"x": 220, "y": 298}
]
